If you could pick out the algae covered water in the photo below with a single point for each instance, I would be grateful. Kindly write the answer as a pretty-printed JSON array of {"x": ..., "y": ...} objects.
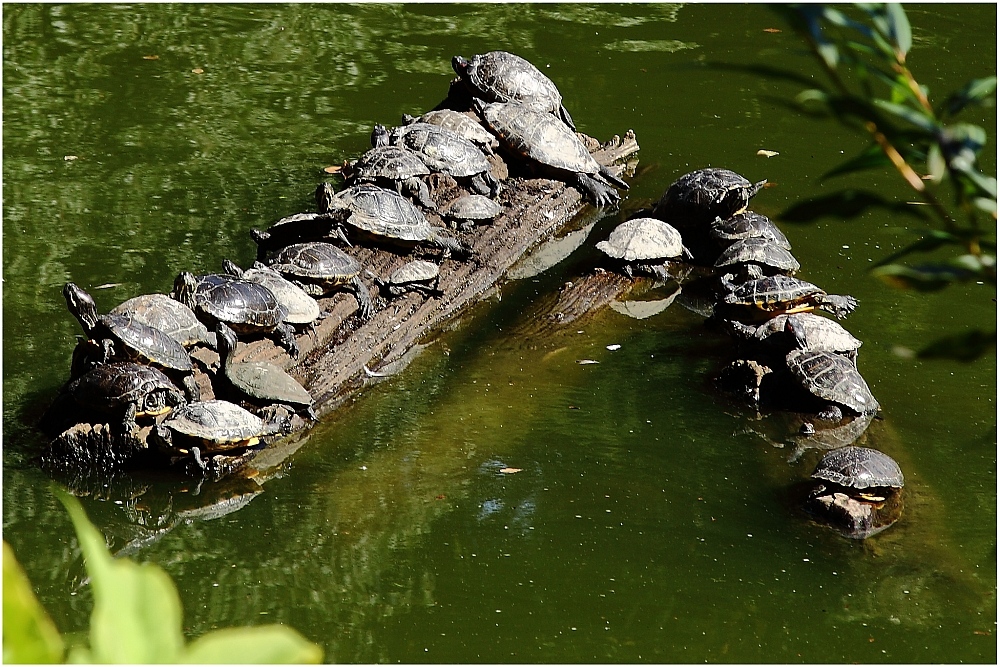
[{"x": 650, "y": 519}]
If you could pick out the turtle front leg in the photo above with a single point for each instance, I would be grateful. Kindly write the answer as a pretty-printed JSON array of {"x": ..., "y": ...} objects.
[
  {"x": 365, "y": 306},
  {"x": 596, "y": 192},
  {"x": 417, "y": 188},
  {"x": 285, "y": 337},
  {"x": 840, "y": 305}
]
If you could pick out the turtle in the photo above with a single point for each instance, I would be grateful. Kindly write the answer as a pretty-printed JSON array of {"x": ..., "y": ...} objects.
[
  {"x": 396, "y": 166},
  {"x": 302, "y": 308},
  {"x": 442, "y": 151},
  {"x": 644, "y": 243},
  {"x": 209, "y": 427},
  {"x": 461, "y": 124},
  {"x": 319, "y": 268},
  {"x": 699, "y": 197},
  {"x": 807, "y": 331},
  {"x": 260, "y": 381},
  {"x": 785, "y": 294},
  {"x": 465, "y": 211},
  {"x": 128, "y": 389},
  {"x": 859, "y": 491},
  {"x": 833, "y": 379},
  {"x": 548, "y": 143},
  {"x": 247, "y": 307},
  {"x": 385, "y": 215},
  {"x": 296, "y": 228},
  {"x": 859, "y": 469},
  {"x": 418, "y": 275},
  {"x": 745, "y": 225},
  {"x": 169, "y": 316},
  {"x": 756, "y": 257},
  {"x": 499, "y": 76}
]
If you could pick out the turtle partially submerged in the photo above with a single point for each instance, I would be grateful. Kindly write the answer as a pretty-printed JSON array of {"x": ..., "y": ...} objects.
[
  {"x": 499, "y": 76},
  {"x": 395, "y": 166},
  {"x": 807, "y": 331},
  {"x": 248, "y": 308},
  {"x": 859, "y": 468},
  {"x": 747, "y": 225},
  {"x": 785, "y": 294},
  {"x": 126, "y": 390},
  {"x": 757, "y": 257},
  {"x": 302, "y": 308},
  {"x": 418, "y": 276},
  {"x": 169, "y": 316},
  {"x": 644, "y": 244},
  {"x": 835, "y": 381},
  {"x": 384, "y": 215},
  {"x": 699, "y": 197},
  {"x": 467, "y": 210},
  {"x": 459, "y": 123},
  {"x": 859, "y": 491},
  {"x": 550, "y": 144},
  {"x": 260, "y": 382},
  {"x": 320, "y": 268}
]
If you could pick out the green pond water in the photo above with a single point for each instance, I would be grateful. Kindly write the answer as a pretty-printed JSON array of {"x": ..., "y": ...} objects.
[{"x": 653, "y": 519}]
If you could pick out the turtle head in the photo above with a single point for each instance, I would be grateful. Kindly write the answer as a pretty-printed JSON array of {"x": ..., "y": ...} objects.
[
  {"x": 226, "y": 339},
  {"x": 794, "y": 326},
  {"x": 380, "y": 136},
  {"x": 408, "y": 119},
  {"x": 82, "y": 305},
  {"x": 231, "y": 268},
  {"x": 326, "y": 198},
  {"x": 460, "y": 65},
  {"x": 185, "y": 285}
]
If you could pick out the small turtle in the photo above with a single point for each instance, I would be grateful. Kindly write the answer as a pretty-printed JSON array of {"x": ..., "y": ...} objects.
[
  {"x": 418, "y": 275},
  {"x": 442, "y": 151},
  {"x": 806, "y": 331},
  {"x": 859, "y": 469},
  {"x": 785, "y": 294},
  {"x": 209, "y": 427},
  {"x": 296, "y": 229},
  {"x": 550, "y": 144},
  {"x": 395, "y": 166},
  {"x": 248, "y": 308},
  {"x": 644, "y": 243},
  {"x": 859, "y": 494},
  {"x": 302, "y": 308},
  {"x": 260, "y": 381},
  {"x": 746, "y": 225},
  {"x": 832, "y": 378},
  {"x": 319, "y": 268},
  {"x": 757, "y": 257},
  {"x": 461, "y": 124},
  {"x": 469, "y": 209},
  {"x": 169, "y": 316},
  {"x": 385, "y": 215},
  {"x": 699, "y": 197},
  {"x": 127, "y": 389},
  {"x": 499, "y": 76}
]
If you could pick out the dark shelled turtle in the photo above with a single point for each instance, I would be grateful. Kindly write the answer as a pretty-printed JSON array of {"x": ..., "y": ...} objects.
[
  {"x": 442, "y": 151},
  {"x": 859, "y": 468},
  {"x": 833, "y": 379},
  {"x": 126, "y": 389},
  {"x": 248, "y": 308},
  {"x": 859, "y": 491},
  {"x": 209, "y": 427},
  {"x": 302, "y": 308},
  {"x": 499, "y": 76},
  {"x": 747, "y": 225},
  {"x": 701, "y": 196},
  {"x": 395, "y": 166},
  {"x": 384, "y": 215},
  {"x": 260, "y": 381},
  {"x": 169, "y": 316},
  {"x": 461, "y": 124},
  {"x": 806, "y": 331},
  {"x": 469, "y": 209},
  {"x": 296, "y": 229},
  {"x": 319, "y": 268},
  {"x": 418, "y": 275},
  {"x": 645, "y": 244},
  {"x": 756, "y": 257},
  {"x": 550, "y": 144},
  {"x": 785, "y": 294}
]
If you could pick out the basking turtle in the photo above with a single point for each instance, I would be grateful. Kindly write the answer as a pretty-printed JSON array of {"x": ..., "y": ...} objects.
[
  {"x": 302, "y": 308},
  {"x": 805, "y": 331},
  {"x": 469, "y": 209},
  {"x": 384, "y": 215},
  {"x": 127, "y": 389},
  {"x": 699, "y": 197},
  {"x": 209, "y": 427},
  {"x": 550, "y": 144},
  {"x": 785, "y": 294},
  {"x": 418, "y": 276},
  {"x": 248, "y": 308},
  {"x": 833, "y": 379},
  {"x": 747, "y": 225},
  {"x": 319, "y": 268},
  {"x": 499, "y": 76},
  {"x": 260, "y": 381},
  {"x": 859, "y": 468},
  {"x": 442, "y": 151},
  {"x": 859, "y": 491},
  {"x": 296, "y": 229},
  {"x": 756, "y": 257},
  {"x": 461, "y": 124},
  {"x": 169, "y": 316},
  {"x": 395, "y": 166},
  {"x": 644, "y": 243}
]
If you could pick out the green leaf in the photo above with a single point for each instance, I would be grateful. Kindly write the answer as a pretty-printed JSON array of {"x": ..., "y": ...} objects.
[
  {"x": 976, "y": 91},
  {"x": 29, "y": 636},
  {"x": 871, "y": 158},
  {"x": 899, "y": 27},
  {"x": 137, "y": 613},
  {"x": 264, "y": 644},
  {"x": 966, "y": 346},
  {"x": 918, "y": 118}
]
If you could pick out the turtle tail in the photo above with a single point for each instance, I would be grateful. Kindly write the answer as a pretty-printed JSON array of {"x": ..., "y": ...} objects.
[{"x": 566, "y": 118}]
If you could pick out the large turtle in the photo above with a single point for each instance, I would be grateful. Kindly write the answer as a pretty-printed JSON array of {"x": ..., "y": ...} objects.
[
  {"x": 858, "y": 492},
  {"x": 833, "y": 379},
  {"x": 169, "y": 316},
  {"x": 548, "y": 143},
  {"x": 757, "y": 257},
  {"x": 745, "y": 225},
  {"x": 806, "y": 331},
  {"x": 302, "y": 308},
  {"x": 459, "y": 123},
  {"x": 644, "y": 244},
  {"x": 319, "y": 268},
  {"x": 785, "y": 294},
  {"x": 859, "y": 468},
  {"x": 248, "y": 308},
  {"x": 699, "y": 197},
  {"x": 126, "y": 390},
  {"x": 395, "y": 166},
  {"x": 499, "y": 76},
  {"x": 384, "y": 215}
]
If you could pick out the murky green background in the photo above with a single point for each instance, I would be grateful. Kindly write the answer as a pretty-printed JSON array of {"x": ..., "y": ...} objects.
[{"x": 652, "y": 520}]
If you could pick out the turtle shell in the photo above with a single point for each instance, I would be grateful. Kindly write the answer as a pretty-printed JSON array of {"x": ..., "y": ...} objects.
[
  {"x": 701, "y": 196},
  {"x": 760, "y": 251},
  {"x": 382, "y": 213},
  {"x": 169, "y": 316},
  {"x": 394, "y": 163},
  {"x": 440, "y": 149},
  {"x": 110, "y": 387},
  {"x": 774, "y": 293},
  {"x": 220, "y": 424},
  {"x": 237, "y": 302},
  {"x": 461, "y": 124},
  {"x": 316, "y": 261},
  {"x": 418, "y": 270},
  {"x": 748, "y": 225},
  {"x": 643, "y": 238},
  {"x": 472, "y": 207},
  {"x": 540, "y": 137},
  {"x": 820, "y": 334},
  {"x": 259, "y": 380},
  {"x": 302, "y": 308},
  {"x": 147, "y": 343},
  {"x": 859, "y": 468},
  {"x": 833, "y": 378}
]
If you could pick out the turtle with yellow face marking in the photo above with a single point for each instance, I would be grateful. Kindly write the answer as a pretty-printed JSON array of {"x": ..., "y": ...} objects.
[{"x": 127, "y": 389}]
